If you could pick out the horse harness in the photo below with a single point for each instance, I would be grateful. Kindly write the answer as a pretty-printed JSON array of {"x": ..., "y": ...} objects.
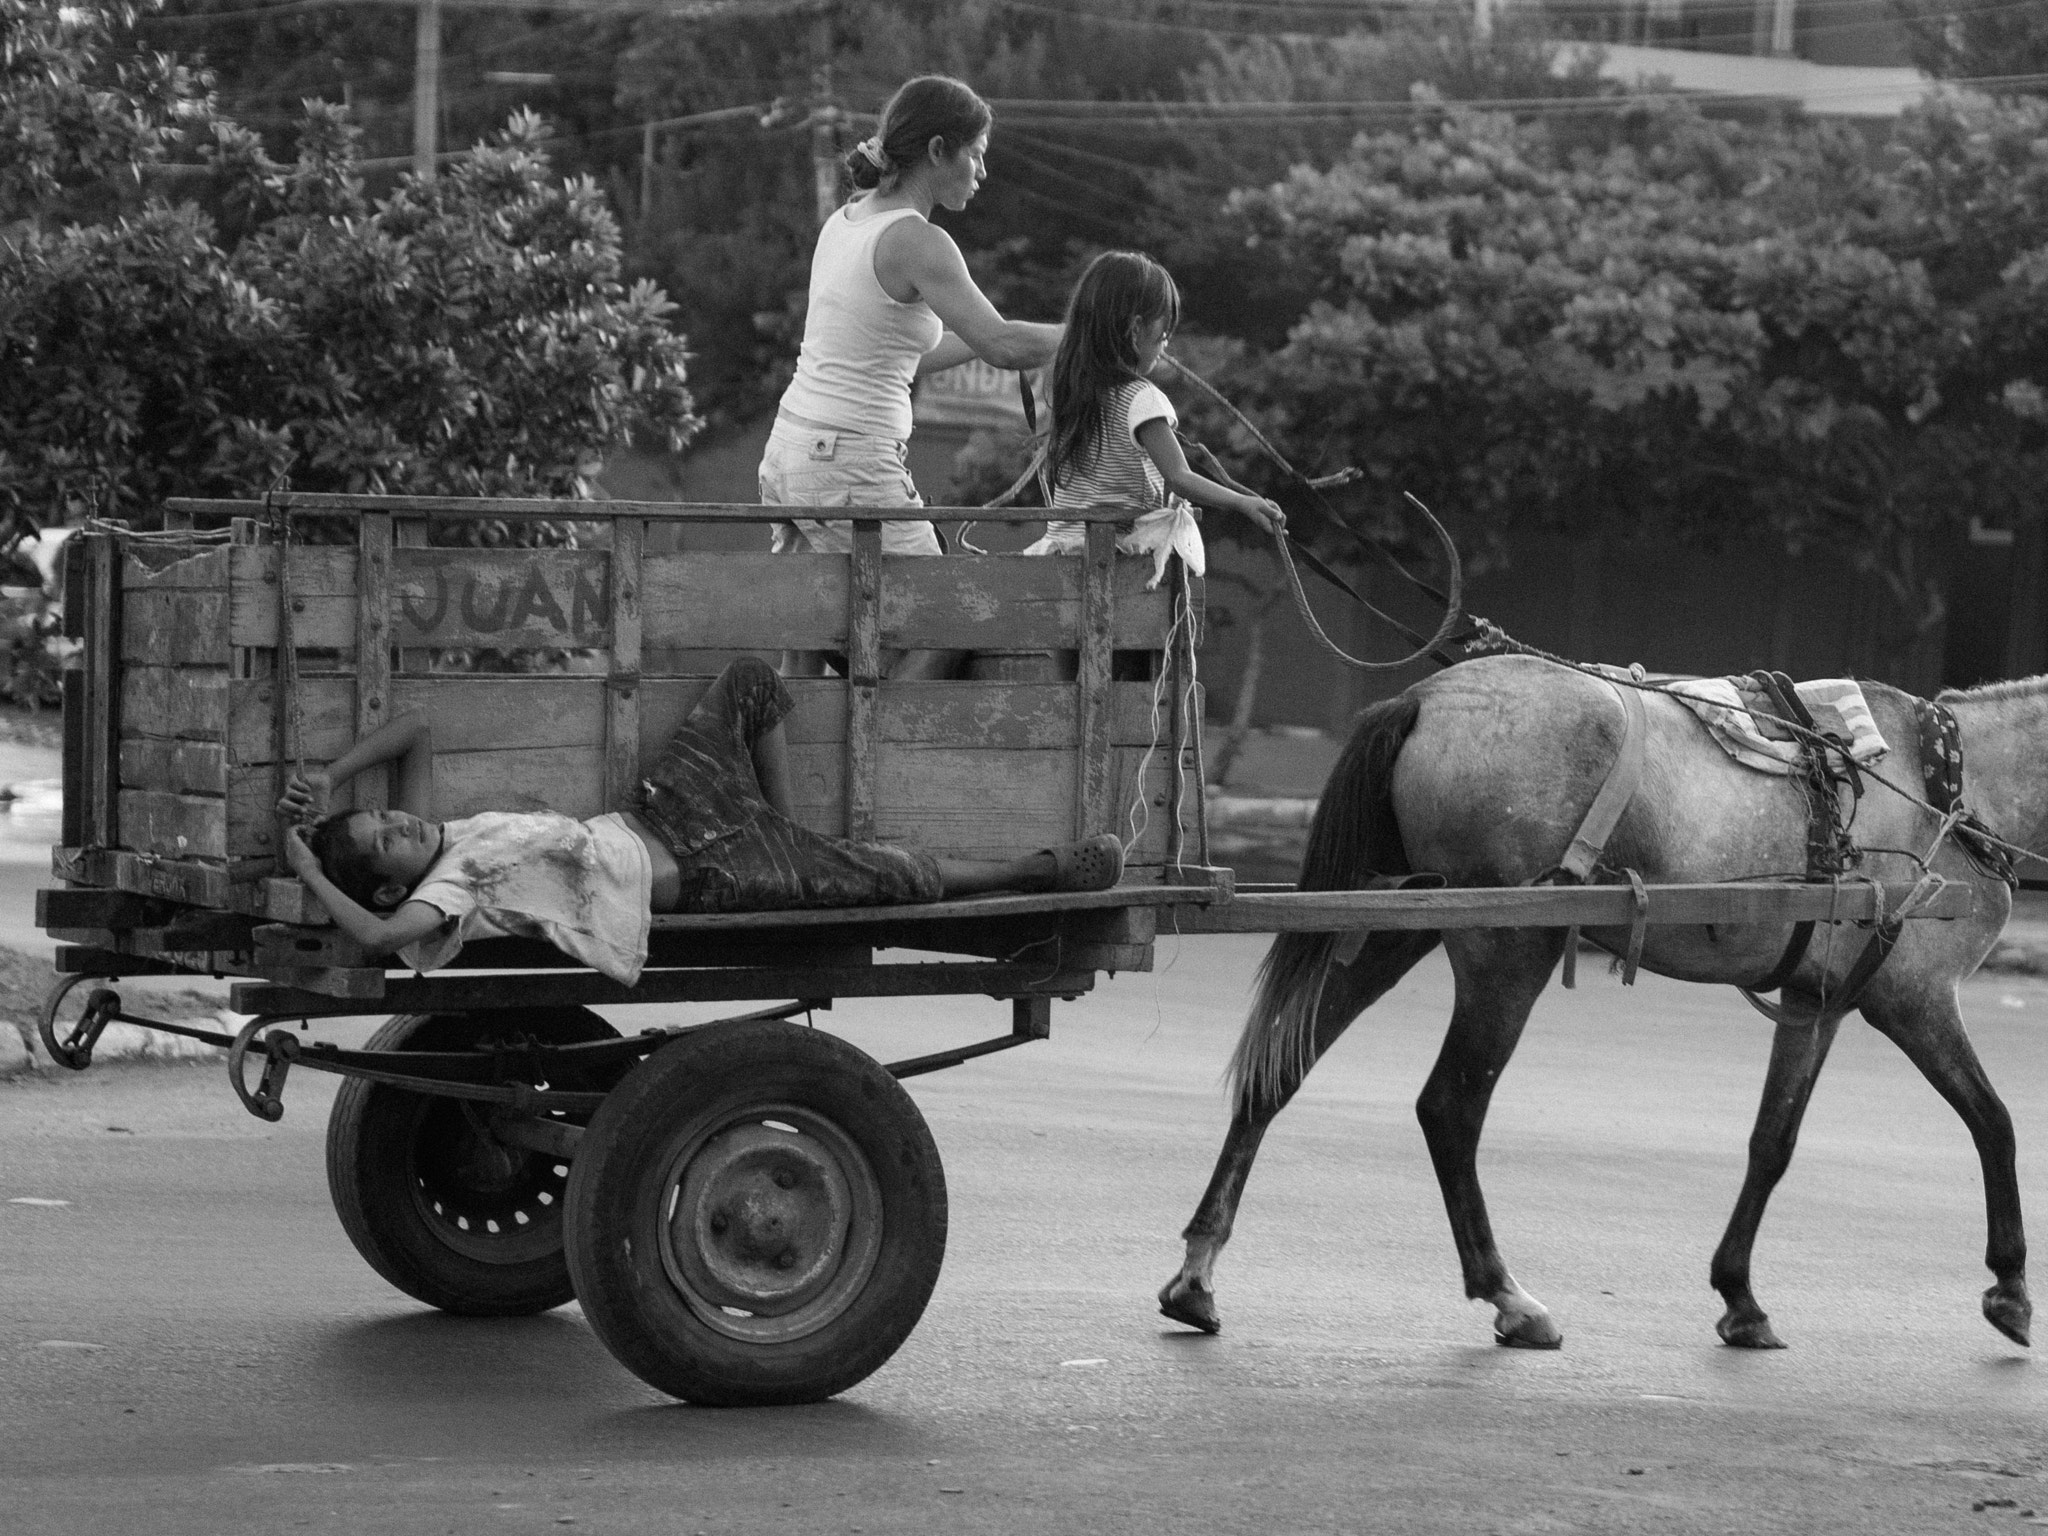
[{"x": 1824, "y": 768}]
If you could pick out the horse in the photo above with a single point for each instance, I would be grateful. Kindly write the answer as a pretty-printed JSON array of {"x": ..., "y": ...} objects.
[{"x": 1482, "y": 774}]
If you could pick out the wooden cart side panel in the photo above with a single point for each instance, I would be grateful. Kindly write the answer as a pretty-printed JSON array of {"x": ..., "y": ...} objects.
[
  {"x": 472, "y": 713},
  {"x": 175, "y": 627},
  {"x": 188, "y": 703},
  {"x": 159, "y": 570},
  {"x": 176, "y": 826},
  {"x": 766, "y": 602},
  {"x": 503, "y": 599}
]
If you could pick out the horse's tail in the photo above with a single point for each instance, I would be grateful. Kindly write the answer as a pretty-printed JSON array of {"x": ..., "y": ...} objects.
[{"x": 1353, "y": 838}]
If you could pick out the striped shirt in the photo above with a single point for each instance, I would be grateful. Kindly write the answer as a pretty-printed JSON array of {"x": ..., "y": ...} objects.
[{"x": 1118, "y": 468}]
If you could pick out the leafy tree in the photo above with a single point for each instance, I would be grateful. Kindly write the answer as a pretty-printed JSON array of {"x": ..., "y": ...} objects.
[
  {"x": 1705, "y": 331},
  {"x": 467, "y": 334},
  {"x": 1989, "y": 40}
]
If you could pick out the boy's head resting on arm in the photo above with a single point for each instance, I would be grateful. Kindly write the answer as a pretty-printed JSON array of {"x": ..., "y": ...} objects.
[{"x": 375, "y": 857}]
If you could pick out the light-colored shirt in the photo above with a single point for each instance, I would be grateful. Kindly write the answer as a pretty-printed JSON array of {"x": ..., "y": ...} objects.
[
  {"x": 584, "y": 886},
  {"x": 1116, "y": 466},
  {"x": 861, "y": 347}
]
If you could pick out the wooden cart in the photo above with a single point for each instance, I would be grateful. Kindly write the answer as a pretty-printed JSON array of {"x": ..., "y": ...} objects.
[{"x": 749, "y": 1211}]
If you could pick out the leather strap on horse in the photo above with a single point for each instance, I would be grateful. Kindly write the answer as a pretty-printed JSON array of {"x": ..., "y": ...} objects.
[
  {"x": 1941, "y": 774},
  {"x": 1582, "y": 854}
]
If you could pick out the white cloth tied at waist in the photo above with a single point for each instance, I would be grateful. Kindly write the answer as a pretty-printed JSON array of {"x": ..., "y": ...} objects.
[
  {"x": 1161, "y": 533},
  {"x": 1836, "y": 704}
]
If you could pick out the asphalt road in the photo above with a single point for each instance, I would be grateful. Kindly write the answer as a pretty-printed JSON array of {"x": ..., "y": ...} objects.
[{"x": 190, "y": 1344}]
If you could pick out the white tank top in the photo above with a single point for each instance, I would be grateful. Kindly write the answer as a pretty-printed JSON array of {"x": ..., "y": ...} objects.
[{"x": 860, "y": 347}]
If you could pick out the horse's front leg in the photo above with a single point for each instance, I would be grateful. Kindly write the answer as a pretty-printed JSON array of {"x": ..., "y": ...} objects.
[
  {"x": 1190, "y": 1297},
  {"x": 1928, "y": 1027},
  {"x": 1500, "y": 975},
  {"x": 1797, "y": 1054}
]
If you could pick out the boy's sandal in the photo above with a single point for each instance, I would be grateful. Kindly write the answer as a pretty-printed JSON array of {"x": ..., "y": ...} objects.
[{"x": 1092, "y": 864}]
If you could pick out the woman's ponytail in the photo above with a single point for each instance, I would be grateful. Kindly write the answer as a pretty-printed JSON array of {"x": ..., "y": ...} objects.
[{"x": 929, "y": 107}]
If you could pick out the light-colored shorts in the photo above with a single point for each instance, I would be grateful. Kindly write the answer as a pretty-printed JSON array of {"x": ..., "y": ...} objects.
[{"x": 817, "y": 467}]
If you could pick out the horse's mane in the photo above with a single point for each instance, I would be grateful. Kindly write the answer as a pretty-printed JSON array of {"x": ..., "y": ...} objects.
[{"x": 1991, "y": 693}]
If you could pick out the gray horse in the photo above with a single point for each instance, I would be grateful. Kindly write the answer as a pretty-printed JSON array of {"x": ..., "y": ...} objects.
[{"x": 1482, "y": 773}]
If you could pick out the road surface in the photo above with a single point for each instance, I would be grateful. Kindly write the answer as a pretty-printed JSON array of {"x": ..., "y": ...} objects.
[{"x": 191, "y": 1346}]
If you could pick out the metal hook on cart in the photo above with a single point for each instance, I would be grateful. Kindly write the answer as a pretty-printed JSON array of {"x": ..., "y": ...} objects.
[
  {"x": 279, "y": 1051},
  {"x": 75, "y": 1049}
]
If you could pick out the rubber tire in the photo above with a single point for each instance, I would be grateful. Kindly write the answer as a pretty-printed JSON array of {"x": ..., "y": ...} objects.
[
  {"x": 372, "y": 1134},
  {"x": 717, "y": 1076}
]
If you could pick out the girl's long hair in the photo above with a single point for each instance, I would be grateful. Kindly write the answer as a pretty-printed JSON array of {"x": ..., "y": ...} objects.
[{"x": 1120, "y": 291}]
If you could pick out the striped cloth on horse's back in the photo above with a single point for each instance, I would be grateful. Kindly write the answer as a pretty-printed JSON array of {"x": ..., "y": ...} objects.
[{"x": 1730, "y": 707}]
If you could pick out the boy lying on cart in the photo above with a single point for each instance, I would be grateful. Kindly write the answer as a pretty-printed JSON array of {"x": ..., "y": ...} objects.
[{"x": 713, "y": 832}]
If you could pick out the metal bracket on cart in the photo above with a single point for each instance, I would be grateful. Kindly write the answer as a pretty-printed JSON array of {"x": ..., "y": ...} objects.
[{"x": 485, "y": 1075}]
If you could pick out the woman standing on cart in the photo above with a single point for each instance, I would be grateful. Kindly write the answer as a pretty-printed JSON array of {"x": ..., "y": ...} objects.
[{"x": 890, "y": 299}]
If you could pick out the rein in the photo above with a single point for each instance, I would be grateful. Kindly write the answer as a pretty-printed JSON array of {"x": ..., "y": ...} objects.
[{"x": 1289, "y": 546}]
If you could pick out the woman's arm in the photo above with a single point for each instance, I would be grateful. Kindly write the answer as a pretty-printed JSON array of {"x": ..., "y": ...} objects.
[
  {"x": 407, "y": 741},
  {"x": 1157, "y": 439},
  {"x": 951, "y": 352},
  {"x": 378, "y": 934},
  {"x": 919, "y": 261}
]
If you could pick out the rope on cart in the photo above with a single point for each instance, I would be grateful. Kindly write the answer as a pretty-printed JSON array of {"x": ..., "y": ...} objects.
[
  {"x": 290, "y": 711},
  {"x": 1185, "y": 631}
]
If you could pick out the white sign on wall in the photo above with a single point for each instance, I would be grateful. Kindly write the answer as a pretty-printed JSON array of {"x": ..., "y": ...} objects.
[{"x": 976, "y": 394}]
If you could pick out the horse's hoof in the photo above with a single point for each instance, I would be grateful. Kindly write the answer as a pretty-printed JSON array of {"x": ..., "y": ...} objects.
[
  {"x": 1750, "y": 1332},
  {"x": 1185, "y": 1303},
  {"x": 1529, "y": 1333},
  {"x": 2011, "y": 1314}
]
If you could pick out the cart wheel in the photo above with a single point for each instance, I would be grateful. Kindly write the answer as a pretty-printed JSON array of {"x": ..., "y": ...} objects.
[
  {"x": 757, "y": 1215},
  {"x": 438, "y": 1206}
]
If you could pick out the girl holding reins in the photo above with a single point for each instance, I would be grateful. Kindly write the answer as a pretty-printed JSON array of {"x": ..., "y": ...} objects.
[{"x": 1113, "y": 437}]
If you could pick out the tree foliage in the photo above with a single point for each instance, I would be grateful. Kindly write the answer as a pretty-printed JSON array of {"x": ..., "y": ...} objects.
[
  {"x": 467, "y": 334},
  {"x": 1989, "y": 40},
  {"x": 1705, "y": 331}
]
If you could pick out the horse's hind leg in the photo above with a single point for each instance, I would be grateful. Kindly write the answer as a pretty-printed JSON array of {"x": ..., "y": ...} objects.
[
  {"x": 1189, "y": 1297},
  {"x": 1797, "y": 1054},
  {"x": 1928, "y": 1027},
  {"x": 1500, "y": 975}
]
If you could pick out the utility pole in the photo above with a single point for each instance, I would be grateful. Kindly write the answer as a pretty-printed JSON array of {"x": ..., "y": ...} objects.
[
  {"x": 426, "y": 88},
  {"x": 824, "y": 116},
  {"x": 646, "y": 169}
]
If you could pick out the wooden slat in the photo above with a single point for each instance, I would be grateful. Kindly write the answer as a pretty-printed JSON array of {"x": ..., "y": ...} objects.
[
  {"x": 175, "y": 627},
  {"x": 103, "y": 690},
  {"x": 504, "y": 599},
  {"x": 182, "y": 767},
  {"x": 323, "y": 579},
  {"x": 72, "y": 826},
  {"x": 1092, "y": 811},
  {"x": 749, "y": 601},
  {"x": 622, "y": 712},
  {"x": 372, "y": 650},
  {"x": 326, "y": 718},
  {"x": 565, "y": 779},
  {"x": 1590, "y": 906},
  {"x": 206, "y": 570},
  {"x": 984, "y": 714},
  {"x": 178, "y": 826},
  {"x": 864, "y": 597},
  {"x": 186, "y": 702},
  {"x": 567, "y": 510},
  {"x": 742, "y": 600},
  {"x": 242, "y": 886},
  {"x": 501, "y": 599}
]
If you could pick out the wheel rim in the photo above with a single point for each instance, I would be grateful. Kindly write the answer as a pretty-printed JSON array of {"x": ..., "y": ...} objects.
[
  {"x": 769, "y": 1222},
  {"x": 485, "y": 1200}
]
